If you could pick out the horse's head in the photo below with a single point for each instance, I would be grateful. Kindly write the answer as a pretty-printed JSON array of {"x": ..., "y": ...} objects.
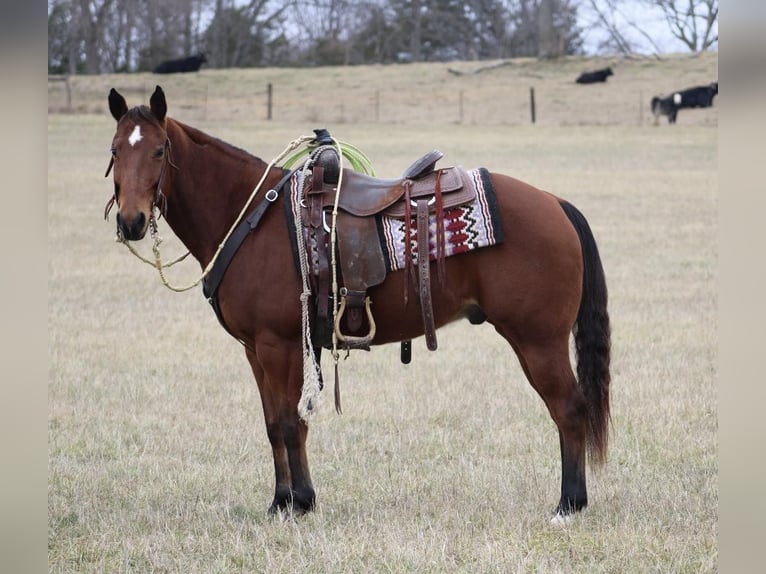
[{"x": 140, "y": 150}]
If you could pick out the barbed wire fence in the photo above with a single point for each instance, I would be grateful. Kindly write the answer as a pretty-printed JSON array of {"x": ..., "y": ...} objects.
[{"x": 544, "y": 103}]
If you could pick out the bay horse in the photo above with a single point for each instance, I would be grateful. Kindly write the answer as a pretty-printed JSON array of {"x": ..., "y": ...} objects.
[{"x": 543, "y": 282}]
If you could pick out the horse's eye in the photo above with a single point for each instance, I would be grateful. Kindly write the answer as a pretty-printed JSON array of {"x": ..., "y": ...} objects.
[
  {"x": 159, "y": 153},
  {"x": 114, "y": 151}
]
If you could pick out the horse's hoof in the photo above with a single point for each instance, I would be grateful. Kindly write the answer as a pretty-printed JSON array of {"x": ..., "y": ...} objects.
[{"x": 292, "y": 506}]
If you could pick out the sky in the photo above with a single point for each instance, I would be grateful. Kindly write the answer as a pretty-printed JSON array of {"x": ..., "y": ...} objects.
[{"x": 651, "y": 20}]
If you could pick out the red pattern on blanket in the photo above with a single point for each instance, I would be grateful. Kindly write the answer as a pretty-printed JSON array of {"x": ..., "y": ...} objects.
[{"x": 467, "y": 227}]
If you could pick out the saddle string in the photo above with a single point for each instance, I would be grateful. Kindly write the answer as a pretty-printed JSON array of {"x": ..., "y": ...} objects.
[
  {"x": 157, "y": 263},
  {"x": 408, "y": 262},
  {"x": 441, "y": 248},
  {"x": 334, "y": 264}
]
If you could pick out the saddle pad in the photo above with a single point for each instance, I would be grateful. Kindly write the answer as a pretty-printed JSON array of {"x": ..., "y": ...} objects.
[{"x": 466, "y": 227}]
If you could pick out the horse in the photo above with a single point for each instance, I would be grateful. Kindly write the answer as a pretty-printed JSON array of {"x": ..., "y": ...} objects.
[{"x": 543, "y": 283}]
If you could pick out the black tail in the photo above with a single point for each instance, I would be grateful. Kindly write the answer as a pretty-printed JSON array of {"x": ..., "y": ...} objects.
[{"x": 592, "y": 337}]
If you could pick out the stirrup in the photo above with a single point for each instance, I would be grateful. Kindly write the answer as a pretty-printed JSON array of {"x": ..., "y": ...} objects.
[{"x": 348, "y": 340}]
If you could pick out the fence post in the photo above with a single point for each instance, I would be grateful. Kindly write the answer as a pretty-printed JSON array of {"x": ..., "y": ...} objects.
[
  {"x": 532, "y": 103},
  {"x": 68, "y": 94},
  {"x": 269, "y": 91}
]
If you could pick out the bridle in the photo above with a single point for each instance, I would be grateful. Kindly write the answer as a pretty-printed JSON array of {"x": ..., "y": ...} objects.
[{"x": 159, "y": 201}]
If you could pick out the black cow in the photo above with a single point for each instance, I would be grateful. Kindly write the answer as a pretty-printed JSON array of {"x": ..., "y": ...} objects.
[
  {"x": 696, "y": 97},
  {"x": 594, "y": 77},
  {"x": 188, "y": 64}
]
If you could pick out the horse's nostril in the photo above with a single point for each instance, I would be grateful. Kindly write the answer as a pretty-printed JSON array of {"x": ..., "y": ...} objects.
[{"x": 132, "y": 230}]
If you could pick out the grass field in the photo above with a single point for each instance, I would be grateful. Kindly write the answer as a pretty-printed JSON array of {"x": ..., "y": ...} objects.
[
  {"x": 495, "y": 93},
  {"x": 158, "y": 457}
]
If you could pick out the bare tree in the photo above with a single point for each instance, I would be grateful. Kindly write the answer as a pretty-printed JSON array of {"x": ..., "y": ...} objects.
[
  {"x": 617, "y": 25},
  {"x": 98, "y": 36},
  {"x": 691, "y": 21},
  {"x": 105, "y": 36},
  {"x": 546, "y": 35},
  {"x": 91, "y": 17},
  {"x": 416, "y": 36}
]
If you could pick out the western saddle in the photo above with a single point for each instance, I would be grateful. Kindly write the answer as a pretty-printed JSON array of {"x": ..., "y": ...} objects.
[{"x": 421, "y": 191}]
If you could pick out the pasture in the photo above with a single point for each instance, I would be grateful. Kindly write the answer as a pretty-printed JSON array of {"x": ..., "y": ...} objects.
[{"x": 158, "y": 456}]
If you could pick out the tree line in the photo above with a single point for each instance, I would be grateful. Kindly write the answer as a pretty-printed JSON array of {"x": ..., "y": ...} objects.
[{"x": 108, "y": 36}]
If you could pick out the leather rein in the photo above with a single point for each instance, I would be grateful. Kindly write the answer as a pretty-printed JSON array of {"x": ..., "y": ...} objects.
[{"x": 212, "y": 280}]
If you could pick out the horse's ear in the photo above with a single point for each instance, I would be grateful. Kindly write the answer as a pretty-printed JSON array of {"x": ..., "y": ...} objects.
[
  {"x": 117, "y": 104},
  {"x": 158, "y": 105}
]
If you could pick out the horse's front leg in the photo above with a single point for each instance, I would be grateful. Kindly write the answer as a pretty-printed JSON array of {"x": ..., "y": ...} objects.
[{"x": 278, "y": 369}]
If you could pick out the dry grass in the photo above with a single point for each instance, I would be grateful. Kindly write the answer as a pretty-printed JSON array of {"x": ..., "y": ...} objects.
[{"x": 158, "y": 459}]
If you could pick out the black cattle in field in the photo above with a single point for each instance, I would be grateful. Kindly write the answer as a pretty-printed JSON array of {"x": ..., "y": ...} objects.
[
  {"x": 696, "y": 97},
  {"x": 188, "y": 64},
  {"x": 664, "y": 107},
  {"x": 595, "y": 76}
]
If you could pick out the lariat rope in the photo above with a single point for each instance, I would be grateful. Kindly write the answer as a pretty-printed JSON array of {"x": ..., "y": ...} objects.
[
  {"x": 310, "y": 390},
  {"x": 157, "y": 263},
  {"x": 361, "y": 163}
]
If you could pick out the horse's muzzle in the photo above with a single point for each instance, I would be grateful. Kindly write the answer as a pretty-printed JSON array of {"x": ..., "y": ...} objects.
[{"x": 132, "y": 230}]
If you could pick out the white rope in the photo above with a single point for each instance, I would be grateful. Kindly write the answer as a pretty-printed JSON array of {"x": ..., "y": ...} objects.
[{"x": 310, "y": 391}]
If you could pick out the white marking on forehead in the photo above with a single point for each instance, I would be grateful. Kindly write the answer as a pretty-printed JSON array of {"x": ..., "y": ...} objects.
[
  {"x": 676, "y": 98},
  {"x": 136, "y": 136}
]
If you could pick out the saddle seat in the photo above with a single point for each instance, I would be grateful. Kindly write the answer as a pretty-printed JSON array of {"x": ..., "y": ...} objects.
[{"x": 363, "y": 196}]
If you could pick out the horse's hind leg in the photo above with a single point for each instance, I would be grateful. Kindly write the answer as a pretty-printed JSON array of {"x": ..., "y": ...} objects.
[
  {"x": 279, "y": 375},
  {"x": 549, "y": 371}
]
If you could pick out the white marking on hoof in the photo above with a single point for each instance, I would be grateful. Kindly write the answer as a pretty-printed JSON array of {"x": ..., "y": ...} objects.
[
  {"x": 677, "y": 99},
  {"x": 136, "y": 136},
  {"x": 562, "y": 520}
]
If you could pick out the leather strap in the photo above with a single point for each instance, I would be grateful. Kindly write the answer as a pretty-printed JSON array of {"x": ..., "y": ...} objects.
[
  {"x": 441, "y": 250},
  {"x": 407, "y": 240},
  {"x": 320, "y": 241},
  {"x": 424, "y": 275},
  {"x": 212, "y": 280}
]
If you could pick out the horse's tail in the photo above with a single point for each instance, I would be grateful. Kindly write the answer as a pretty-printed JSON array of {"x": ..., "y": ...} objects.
[{"x": 592, "y": 336}]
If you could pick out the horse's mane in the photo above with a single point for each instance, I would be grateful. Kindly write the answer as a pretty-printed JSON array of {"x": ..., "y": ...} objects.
[
  {"x": 196, "y": 135},
  {"x": 204, "y": 139}
]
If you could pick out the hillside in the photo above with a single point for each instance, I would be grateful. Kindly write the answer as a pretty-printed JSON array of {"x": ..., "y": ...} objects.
[{"x": 481, "y": 93}]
